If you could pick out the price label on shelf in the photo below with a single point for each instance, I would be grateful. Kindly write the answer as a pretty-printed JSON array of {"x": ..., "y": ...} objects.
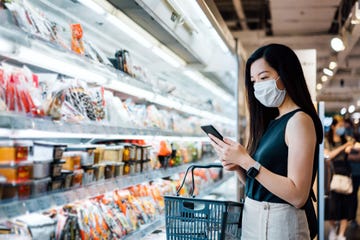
[
  {"x": 44, "y": 202},
  {"x": 32, "y": 205},
  {"x": 14, "y": 209}
]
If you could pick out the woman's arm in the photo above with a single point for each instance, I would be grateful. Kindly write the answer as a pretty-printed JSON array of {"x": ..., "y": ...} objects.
[{"x": 300, "y": 137}]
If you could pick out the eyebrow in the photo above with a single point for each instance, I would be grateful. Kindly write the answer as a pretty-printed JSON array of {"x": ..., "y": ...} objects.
[{"x": 265, "y": 71}]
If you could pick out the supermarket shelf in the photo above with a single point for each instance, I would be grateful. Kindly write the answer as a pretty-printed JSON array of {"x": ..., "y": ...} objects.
[
  {"x": 19, "y": 126},
  {"x": 160, "y": 222},
  {"x": 12, "y": 209},
  {"x": 37, "y": 52}
]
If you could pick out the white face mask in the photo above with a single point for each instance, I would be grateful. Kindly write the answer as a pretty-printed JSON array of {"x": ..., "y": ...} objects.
[{"x": 268, "y": 94}]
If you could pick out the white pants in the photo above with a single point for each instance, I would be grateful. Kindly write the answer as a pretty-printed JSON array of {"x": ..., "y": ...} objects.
[{"x": 273, "y": 221}]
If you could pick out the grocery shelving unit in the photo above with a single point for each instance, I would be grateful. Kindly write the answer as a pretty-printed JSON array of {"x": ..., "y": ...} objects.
[{"x": 18, "y": 47}]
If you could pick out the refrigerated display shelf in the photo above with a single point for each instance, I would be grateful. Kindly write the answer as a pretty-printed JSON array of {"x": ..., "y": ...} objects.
[
  {"x": 160, "y": 222},
  {"x": 12, "y": 208},
  {"x": 37, "y": 52},
  {"x": 20, "y": 126}
]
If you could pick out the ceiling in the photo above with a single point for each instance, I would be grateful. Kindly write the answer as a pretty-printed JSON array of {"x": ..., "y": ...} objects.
[{"x": 305, "y": 24}]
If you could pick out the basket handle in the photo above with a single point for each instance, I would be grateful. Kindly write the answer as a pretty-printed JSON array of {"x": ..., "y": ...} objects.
[{"x": 192, "y": 167}]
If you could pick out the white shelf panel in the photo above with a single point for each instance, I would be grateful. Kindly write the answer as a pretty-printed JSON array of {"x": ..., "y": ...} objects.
[{"x": 19, "y": 126}]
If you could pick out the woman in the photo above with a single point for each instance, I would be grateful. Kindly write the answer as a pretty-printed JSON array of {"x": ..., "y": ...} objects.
[
  {"x": 285, "y": 133},
  {"x": 339, "y": 207}
]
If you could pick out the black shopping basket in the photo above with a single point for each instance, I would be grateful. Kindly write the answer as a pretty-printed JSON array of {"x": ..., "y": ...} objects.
[{"x": 201, "y": 219}]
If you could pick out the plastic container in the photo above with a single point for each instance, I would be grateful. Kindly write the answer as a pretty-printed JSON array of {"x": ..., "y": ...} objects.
[
  {"x": 16, "y": 190},
  {"x": 99, "y": 172},
  {"x": 16, "y": 171},
  {"x": 113, "y": 153},
  {"x": 41, "y": 169},
  {"x": 72, "y": 161},
  {"x": 56, "y": 168},
  {"x": 14, "y": 150},
  {"x": 40, "y": 186},
  {"x": 56, "y": 184},
  {"x": 77, "y": 178},
  {"x": 88, "y": 176},
  {"x": 67, "y": 176},
  {"x": 119, "y": 169},
  {"x": 86, "y": 153},
  {"x": 48, "y": 150},
  {"x": 2, "y": 181},
  {"x": 109, "y": 170}
]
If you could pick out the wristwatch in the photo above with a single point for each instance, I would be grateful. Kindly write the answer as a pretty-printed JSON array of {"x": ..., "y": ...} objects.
[{"x": 254, "y": 170}]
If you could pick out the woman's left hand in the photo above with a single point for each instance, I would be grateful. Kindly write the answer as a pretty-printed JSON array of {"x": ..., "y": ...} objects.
[{"x": 231, "y": 152}]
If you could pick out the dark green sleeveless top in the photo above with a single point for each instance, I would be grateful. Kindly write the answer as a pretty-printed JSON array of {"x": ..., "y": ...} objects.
[{"x": 272, "y": 153}]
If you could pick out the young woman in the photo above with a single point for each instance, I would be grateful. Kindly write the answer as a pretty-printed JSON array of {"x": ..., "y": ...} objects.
[
  {"x": 338, "y": 207},
  {"x": 285, "y": 133}
]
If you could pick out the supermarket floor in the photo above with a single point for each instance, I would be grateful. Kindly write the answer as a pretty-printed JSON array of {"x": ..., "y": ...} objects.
[{"x": 227, "y": 191}]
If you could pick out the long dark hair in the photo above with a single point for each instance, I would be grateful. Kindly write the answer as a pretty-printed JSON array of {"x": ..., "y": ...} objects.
[{"x": 287, "y": 65}]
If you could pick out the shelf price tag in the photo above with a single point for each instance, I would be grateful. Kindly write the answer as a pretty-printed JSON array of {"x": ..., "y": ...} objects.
[
  {"x": 32, "y": 205},
  {"x": 14, "y": 209},
  {"x": 44, "y": 202}
]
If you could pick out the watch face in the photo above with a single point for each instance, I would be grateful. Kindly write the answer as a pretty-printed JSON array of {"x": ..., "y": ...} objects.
[{"x": 252, "y": 172}]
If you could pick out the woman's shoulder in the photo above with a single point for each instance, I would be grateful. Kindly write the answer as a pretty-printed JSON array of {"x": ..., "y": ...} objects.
[{"x": 300, "y": 121}]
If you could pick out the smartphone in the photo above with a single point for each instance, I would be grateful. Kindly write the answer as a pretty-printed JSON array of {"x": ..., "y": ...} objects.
[{"x": 212, "y": 130}]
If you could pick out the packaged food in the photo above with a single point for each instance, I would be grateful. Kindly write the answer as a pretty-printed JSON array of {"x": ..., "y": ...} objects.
[
  {"x": 48, "y": 150},
  {"x": 40, "y": 186},
  {"x": 77, "y": 178},
  {"x": 99, "y": 154},
  {"x": 86, "y": 153},
  {"x": 16, "y": 171},
  {"x": 88, "y": 176},
  {"x": 67, "y": 175},
  {"x": 56, "y": 168},
  {"x": 99, "y": 172},
  {"x": 77, "y": 44},
  {"x": 16, "y": 190},
  {"x": 41, "y": 169},
  {"x": 40, "y": 226},
  {"x": 14, "y": 150},
  {"x": 56, "y": 183},
  {"x": 113, "y": 153},
  {"x": 72, "y": 161},
  {"x": 109, "y": 170},
  {"x": 2, "y": 181},
  {"x": 119, "y": 169}
]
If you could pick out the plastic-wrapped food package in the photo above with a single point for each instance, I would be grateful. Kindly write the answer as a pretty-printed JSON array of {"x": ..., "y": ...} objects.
[
  {"x": 117, "y": 114},
  {"x": 40, "y": 226}
]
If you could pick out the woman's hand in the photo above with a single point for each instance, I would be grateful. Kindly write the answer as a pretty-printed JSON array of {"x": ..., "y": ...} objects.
[{"x": 231, "y": 153}]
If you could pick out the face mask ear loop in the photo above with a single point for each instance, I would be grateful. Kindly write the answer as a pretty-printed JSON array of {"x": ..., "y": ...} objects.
[{"x": 276, "y": 84}]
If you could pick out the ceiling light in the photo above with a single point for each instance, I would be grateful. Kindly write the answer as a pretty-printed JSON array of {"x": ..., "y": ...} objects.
[
  {"x": 319, "y": 86},
  {"x": 328, "y": 72},
  {"x": 332, "y": 65},
  {"x": 343, "y": 111},
  {"x": 351, "y": 109},
  {"x": 324, "y": 78},
  {"x": 337, "y": 44}
]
